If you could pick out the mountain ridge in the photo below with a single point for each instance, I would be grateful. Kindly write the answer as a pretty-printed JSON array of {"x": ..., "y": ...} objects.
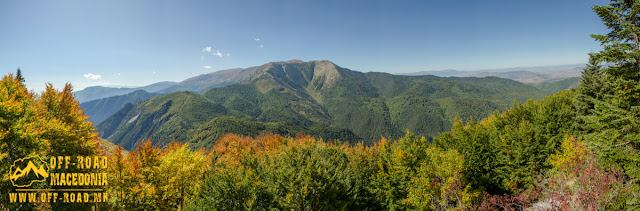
[
  {"x": 530, "y": 75},
  {"x": 316, "y": 93},
  {"x": 100, "y": 92},
  {"x": 203, "y": 82},
  {"x": 100, "y": 109}
]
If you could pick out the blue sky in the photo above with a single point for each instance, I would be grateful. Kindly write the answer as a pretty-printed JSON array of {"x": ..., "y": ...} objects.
[{"x": 133, "y": 43}]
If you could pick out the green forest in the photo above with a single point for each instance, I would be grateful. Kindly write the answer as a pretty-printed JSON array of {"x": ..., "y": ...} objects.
[
  {"x": 231, "y": 148},
  {"x": 317, "y": 98}
]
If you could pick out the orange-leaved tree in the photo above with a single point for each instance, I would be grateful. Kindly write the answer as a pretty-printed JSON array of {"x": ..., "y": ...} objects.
[{"x": 49, "y": 124}]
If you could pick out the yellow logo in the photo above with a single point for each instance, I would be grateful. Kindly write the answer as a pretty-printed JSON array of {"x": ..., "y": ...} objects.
[{"x": 26, "y": 171}]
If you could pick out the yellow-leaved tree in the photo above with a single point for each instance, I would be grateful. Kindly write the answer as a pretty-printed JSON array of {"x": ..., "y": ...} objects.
[
  {"x": 179, "y": 175},
  {"x": 19, "y": 128},
  {"x": 578, "y": 181},
  {"x": 66, "y": 130},
  {"x": 49, "y": 124},
  {"x": 439, "y": 183}
]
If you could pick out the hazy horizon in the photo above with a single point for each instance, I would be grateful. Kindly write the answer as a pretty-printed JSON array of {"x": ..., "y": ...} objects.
[{"x": 473, "y": 71}]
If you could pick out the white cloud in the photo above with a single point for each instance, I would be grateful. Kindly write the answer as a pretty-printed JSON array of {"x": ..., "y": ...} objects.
[
  {"x": 207, "y": 67},
  {"x": 92, "y": 76},
  {"x": 217, "y": 53},
  {"x": 261, "y": 46},
  {"x": 209, "y": 49},
  {"x": 228, "y": 54},
  {"x": 256, "y": 39}
]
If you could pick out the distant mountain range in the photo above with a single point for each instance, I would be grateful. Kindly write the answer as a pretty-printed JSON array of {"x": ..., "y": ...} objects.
[
  {"x": 439, "y": 73},
  {"x": 101, "y": 102},
  {"x": 529, "y": 75},
  {"x": 204, "y": 82},
  {"x": 100, "y": 109},
  {"x": 197, "y": 84},
  {"x": 316, "y": 98},
  {"x": 100, "y": 92}
]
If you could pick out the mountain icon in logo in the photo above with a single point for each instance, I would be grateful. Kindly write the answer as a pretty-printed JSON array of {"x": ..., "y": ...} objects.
[{"x": 24, "y": 172}]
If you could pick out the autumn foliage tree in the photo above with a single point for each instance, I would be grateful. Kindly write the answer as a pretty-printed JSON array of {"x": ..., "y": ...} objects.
[
  {"x": 579, "y": 182},
  {"x": 19, "y": 127},
  {"x": 48, "y": 124},
  {"x": 273, "y": 172},
  {"x": 67, "y": 131},
  {"x": 149, "y": 178},
  {"x": 440, "y": 183}
]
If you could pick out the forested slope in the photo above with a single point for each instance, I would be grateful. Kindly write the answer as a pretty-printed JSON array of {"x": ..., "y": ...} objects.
[
  {"x": 310, "y": 97},
  {"x": 99, "y": 110}
]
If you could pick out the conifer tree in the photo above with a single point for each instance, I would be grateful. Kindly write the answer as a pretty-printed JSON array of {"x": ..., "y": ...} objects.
[
  {"x": 622, "y": 44},
  {"x": 614, "y": 122},
  {"x": 589, "y": 89},
  {"x": 588, "y": 93},
  {"x": 19, "y": 76}
]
